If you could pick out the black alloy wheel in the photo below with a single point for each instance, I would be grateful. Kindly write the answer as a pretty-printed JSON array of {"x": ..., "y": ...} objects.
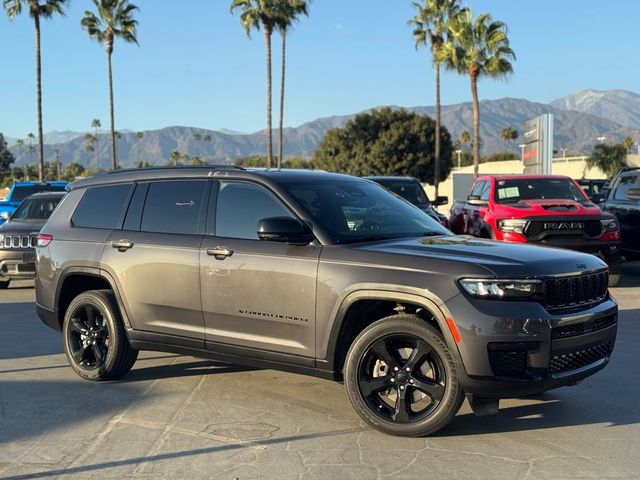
[{"x": 88, "y": 337}]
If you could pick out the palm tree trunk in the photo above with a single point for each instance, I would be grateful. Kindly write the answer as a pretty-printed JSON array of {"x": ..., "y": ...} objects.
[
  {"x": 36, "y": 20},
  {"x": 280, "y": 135},
  {"x": 436, "y": 166},
  {"x": 267, "y": 33},
  {"x": 114, "y": 163},
  {"x": 476, "y": 125},
  {"x": 97, "y": 145}
]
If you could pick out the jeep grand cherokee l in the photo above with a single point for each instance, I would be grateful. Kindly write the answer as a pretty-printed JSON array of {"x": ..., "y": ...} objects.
[{"x": 320, "y": 274}]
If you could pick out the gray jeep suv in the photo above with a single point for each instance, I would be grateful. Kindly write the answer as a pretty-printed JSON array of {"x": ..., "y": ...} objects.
[{"x": 320, "y": 274}]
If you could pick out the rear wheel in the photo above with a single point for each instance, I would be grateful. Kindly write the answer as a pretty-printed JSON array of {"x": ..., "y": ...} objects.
[
  {"x": 400, "y": 377},
  {"x": 95, "y": 341},
  {"x": 4, "y": 284}
]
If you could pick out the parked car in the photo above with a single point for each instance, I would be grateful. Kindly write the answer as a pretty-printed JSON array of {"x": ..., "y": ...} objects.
[
  {"x": 18, "y": 236},
  {"x": 623, "y": 200},
  {"x": 411, "y": 190},
  {"x": 21, "y": 190},
  {"x": 593, "y": 187},
  {"x": 543, "y": 209},
  {"x": 320, "y": 274}
]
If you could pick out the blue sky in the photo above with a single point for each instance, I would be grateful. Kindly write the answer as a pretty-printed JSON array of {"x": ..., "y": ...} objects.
[{"x": 196, "y": 67}]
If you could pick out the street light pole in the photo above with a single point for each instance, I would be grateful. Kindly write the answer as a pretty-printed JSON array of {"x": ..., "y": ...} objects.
[
  {"x": 601, "y": 139},
  {"x": 57, "y": 152},
  {"x": 458, "y": 152},
  {"x": 522, "y": 147}
]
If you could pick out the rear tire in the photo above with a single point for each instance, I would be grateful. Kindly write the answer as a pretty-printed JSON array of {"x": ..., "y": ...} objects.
[
  {"x": 4, "y": 284},
  {"x": 95, "y": 340},
  {"x": 401, "y": 379}
]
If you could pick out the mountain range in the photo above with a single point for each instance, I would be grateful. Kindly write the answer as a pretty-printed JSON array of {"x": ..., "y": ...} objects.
[{"x": 580, "y": 119}]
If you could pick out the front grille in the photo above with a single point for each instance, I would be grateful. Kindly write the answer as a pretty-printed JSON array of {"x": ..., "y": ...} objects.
[
  {"x": 539, "y": 228},
  {"x": 580, "y": 358},
  {"x": 20, "y": 241},
  {"x": 583, "y": 327},
  {"x": 576, "y": 290},
  {"x": 568, "y": 331}
]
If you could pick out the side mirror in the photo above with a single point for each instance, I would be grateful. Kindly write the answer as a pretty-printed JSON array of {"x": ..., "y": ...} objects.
[
  {"x": 285, "y": 230},
  {"x": 440, "y": 200},
  {"x": 597, "y": 198},
  {"x": 475, "y": 200},
  {"x": 5, "y": 215},
  {"x": 633, "y": 194}
]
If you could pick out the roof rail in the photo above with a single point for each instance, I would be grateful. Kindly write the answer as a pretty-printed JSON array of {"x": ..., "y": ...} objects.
[{"x": 177, "y": 167}]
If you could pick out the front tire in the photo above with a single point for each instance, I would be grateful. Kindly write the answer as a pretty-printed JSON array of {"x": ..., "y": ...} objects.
[
  {"x": 95, "y": 340},
  {"x": 400, "y": 377}
]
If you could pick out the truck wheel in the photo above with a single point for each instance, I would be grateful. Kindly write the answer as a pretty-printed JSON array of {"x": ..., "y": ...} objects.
[
  {"x": 615, "y": 273},
  {"x": 400, "y": 377},
  {"x": 94, "y": 337},
  {"x": 4, "y": 284}
]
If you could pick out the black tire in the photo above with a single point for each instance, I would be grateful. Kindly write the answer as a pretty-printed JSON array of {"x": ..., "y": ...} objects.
[
  {"x": 370, "y": 391},
  {"x": 95, "y": 340},
  {"x": 4, "y": 284},
  {"x": 615, "y": 274}
]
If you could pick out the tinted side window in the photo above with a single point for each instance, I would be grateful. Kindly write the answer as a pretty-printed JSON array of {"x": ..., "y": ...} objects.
[
  {"x": 627, "y": 182},
  {"x": 174, "y": 207},
  {"x": 102, "y": 207},
  {"x": 241, "y": 206}
]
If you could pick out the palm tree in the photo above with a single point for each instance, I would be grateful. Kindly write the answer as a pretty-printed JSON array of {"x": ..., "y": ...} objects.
[
  {"x": 289, "y": 12},
  {"x": 95, "y": 124},
  {"x": 38, "y": 9},
  {"x": 114, "y": 20},
  {"x": 508, "y": 134},
  {"x": 254, "y": 15},
  {"x": 31, "y": 149},
  {"x": 478, "y": 48},
  {"x": 429, "y": 27},
  {"x": 20, "y": 145},
  {"x": 139, "y": 137},
  {"x": 465, "y": 137}
]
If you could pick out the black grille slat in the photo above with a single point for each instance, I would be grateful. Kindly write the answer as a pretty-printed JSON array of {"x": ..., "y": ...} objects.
[
  {"x": 568, "y": 292},
  {"x": 580, "y": 358}
]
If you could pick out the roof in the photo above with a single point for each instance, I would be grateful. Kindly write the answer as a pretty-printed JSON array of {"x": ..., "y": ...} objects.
[
  {"x": 207, "y": 171},
  {"x": 523, "y": 177},
  {"x": 31, "y": 184},
  {"x": 47, "y": 195},
  {"x": 390, "y": 178}
]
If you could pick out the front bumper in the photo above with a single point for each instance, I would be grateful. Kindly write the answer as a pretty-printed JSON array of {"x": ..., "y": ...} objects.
[
  {"x": 511, "y": 348},
  {"x": 17, "y": 264}
]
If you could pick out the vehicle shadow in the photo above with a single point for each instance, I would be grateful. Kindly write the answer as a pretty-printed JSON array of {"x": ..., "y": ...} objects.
[
  {"x": 23, "y": 334},
  {"x": 187, "y": 369}
]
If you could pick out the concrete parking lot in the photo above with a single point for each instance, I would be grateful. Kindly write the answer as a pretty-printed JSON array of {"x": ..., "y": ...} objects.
[{"x": 183, "y": 417}]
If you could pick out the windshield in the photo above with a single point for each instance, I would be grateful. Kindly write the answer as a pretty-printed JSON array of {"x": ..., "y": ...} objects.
[
  {"x": 360, "y": 211},
  {"x": 410, "y": 190},
  {"x": 515, "y": 190},
  {"x": 22, "y": 192},
  {"x": 35, "y": 209}
]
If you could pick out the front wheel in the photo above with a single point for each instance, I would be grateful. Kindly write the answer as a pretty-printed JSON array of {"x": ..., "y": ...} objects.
[
  {"x": 400, "y": 377},
  {"x": 95, "y": 341}
]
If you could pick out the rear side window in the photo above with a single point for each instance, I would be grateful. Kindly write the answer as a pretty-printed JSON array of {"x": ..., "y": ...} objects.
[
  {"x": 626, "y": 183},
  {"x": 174, "y": 207},
  {"x": 102, "y": 207}
]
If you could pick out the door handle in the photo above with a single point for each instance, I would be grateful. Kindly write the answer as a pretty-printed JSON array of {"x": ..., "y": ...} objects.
[
  {"x": 220, "y": 253},
  {"x": 122, "y": 245}
]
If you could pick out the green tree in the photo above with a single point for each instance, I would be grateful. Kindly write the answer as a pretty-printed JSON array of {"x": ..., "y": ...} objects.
[
  {"x": 175, "y": 159},
  {"x": 256, "y": 14},
  {"x": 478, "y": 48},
  {"x": 95, "y": 124},
  {"x": 289, "y": 12},
  {"x": 114, "y": 20},
  {"x": 143, "y": 164},
  {"x": 508, "y": 134},
  {"x": 293, "y": 161},
  {"x": 608, "y": 158},
  {"x": 38, "y": 10},
  {"x": 139, "y": 137},
  {"x": 429, "y": 28},
  {"x": 72, "y": 171},
  {"x": 628, "y": 143},
  {"x": 31, "y": 149},
  {"x": 20, "y": 146},
  {"x": 385, "y": 142},
  {"x": 6, "y": 158}
]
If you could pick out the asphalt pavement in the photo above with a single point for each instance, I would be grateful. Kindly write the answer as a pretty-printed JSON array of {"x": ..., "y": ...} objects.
[{"x": 177, "y": 417}]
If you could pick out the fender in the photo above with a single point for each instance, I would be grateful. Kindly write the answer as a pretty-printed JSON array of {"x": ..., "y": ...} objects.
[{"x": 433, "y": 305}]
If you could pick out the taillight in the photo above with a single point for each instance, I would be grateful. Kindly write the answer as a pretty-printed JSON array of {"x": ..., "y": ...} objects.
[
  {"x": 44, "y": 240},
  {"x": 611, "y": 236}
]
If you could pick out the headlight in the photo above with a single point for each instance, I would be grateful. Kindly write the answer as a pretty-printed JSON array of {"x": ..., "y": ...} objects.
[
  {"x": 609, "y": 224},
  {"x": 499, "y": 288},
  {"x": 512, "y": 225}
]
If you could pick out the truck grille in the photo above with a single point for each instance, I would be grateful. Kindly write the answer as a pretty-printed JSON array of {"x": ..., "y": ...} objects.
[
  {"x": 19, "y": 241},
  {"x": 541, "y": 228},
  {"x": 569, "y": 292},
  {"x": 574, "y": 329},
  {"x": 580, "y": 358}
]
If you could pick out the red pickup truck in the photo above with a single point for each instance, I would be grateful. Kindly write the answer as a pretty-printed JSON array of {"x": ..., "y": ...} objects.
[{"x": 550, "y": 210}]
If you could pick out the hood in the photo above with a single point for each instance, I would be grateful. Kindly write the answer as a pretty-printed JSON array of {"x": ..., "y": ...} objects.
[
  {"x": 22, "y": 227},
  {"x": 500, "y": 258},
  {"x": 555, "y": 207}
]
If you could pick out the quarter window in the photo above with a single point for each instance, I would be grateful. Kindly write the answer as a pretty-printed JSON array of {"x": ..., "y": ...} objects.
[
  {"x": 241, "y": 206},
  {"x": 102, "y": 207},
  {"x": 627, "y": 182},
  {"x": 173, "y": 207}
]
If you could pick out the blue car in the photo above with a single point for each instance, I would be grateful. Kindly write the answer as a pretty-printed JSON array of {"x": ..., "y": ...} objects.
[{"x": 21, "y": 190}]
